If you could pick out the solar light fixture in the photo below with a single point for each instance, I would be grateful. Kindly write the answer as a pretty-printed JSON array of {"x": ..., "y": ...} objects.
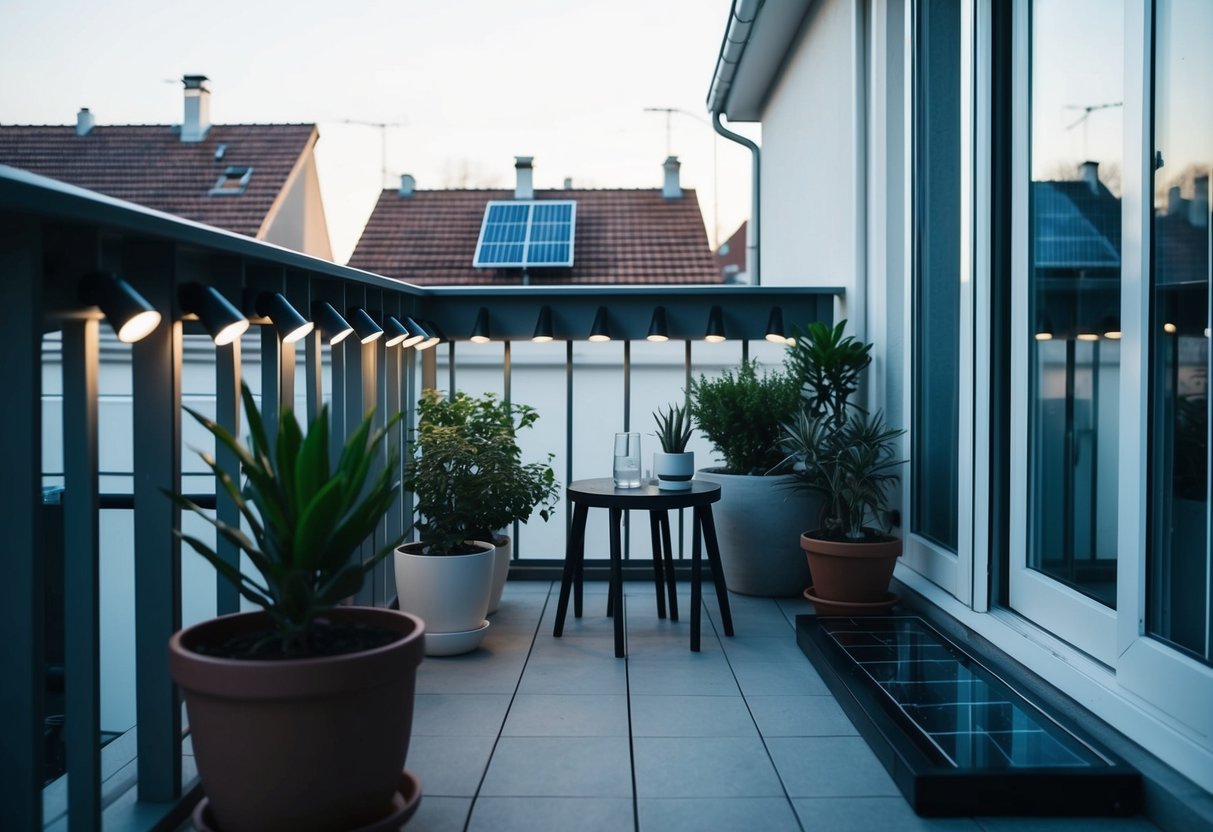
[
  {"x": 432, "y": 336},
  {"x": 776, "y": 334},
  {"x": 715, "y": 332},
  {"x": 396, "y": 333},
  {"x": 1111, "y": 328},
  {"x": 334, "y": 327},
  {"x": 543, "y": 326},
  {"x": 222, "y": 321},
  {"x": 127, "y": 311},
  {"x": 1044, "y": 328},
  {"x": 364, "y": 325},
  {"x": 416, "y": 331},
  {"x": 286, "y": 319},
  {"x": 601, "y": 330},
  {"x": 657, "y": 327},
  {"x": 480, "y": 331}
]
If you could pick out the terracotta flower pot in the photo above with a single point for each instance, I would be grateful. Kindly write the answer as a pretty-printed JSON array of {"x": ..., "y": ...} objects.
[
  {"x": 851, "y": 571},
  {"x": 308, "y": 744}
]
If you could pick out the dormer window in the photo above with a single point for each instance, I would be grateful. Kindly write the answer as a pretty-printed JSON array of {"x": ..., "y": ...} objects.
[{"x": 233, "y": 181}]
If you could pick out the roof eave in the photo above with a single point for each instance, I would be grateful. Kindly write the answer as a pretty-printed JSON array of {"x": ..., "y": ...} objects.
[{"x": 752, "y": 55}]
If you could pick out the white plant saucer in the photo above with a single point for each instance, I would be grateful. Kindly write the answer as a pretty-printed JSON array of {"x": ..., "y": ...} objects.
[{"x": 452, "y": 644}]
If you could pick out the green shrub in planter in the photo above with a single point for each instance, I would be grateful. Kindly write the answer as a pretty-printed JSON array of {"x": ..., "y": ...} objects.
[{"x": 741, "y": 414}]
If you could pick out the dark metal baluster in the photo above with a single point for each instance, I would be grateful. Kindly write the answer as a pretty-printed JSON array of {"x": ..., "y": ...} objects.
[
  {"x": 21, "y": 591},
  {"x": 82, "y": 646},
  {"x": 156, "y": 402},
  {"x": 227, "y": 414}
]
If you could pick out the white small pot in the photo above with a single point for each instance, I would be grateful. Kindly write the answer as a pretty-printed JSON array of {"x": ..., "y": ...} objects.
[
  {"x": 674, "y": 471},
  {"x": 449, "y": 592},
  {"x": 501, "y": 569}
]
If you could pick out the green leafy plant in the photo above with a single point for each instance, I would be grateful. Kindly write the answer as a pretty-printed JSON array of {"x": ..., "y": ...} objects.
[
  {"x": 741, "y": 413},
  {"x": 842, "y": 453},
  {"x": 306, "y": 519},
  {"x": 467, "y": 474},
  {"x": 673, "y": 428}
]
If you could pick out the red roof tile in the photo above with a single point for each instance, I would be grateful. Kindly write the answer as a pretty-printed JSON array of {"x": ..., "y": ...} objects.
[
  {"x": 150, "y": 165},
  {"x": 622, "y": 236}
]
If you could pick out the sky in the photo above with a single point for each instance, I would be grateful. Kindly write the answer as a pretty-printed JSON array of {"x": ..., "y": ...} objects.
[{"x": 465, "y": 86}]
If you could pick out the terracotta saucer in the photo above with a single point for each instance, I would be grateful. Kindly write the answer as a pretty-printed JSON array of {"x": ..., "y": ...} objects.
[
  {"x": 825, "y": 607},
  {"x": 404, "y": 804}
]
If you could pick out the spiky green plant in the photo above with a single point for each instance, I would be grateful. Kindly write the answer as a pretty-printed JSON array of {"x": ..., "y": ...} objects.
[
  {"x": 306, "y": 519},
  {"x": 829, "y": 366},
  {"x": 673, "y": 428}
]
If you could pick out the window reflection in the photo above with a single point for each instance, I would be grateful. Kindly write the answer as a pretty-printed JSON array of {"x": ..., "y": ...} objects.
[
  {"x": 1178, "y": 562},
  {"x": 1074, "y": 291}
]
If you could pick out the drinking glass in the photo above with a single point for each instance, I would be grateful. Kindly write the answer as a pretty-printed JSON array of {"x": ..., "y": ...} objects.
[{"x": 627, "y": 460}]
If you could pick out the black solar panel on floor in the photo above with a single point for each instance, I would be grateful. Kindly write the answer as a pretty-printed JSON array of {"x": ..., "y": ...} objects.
[{"x": 954, "y": 736}]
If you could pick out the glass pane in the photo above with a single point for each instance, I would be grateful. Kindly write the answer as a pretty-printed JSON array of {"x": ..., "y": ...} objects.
[
  {"x": 1077, "y": 90},
  {"x": 1178, "y": 606},
  {"x": 934, "y": 453}
]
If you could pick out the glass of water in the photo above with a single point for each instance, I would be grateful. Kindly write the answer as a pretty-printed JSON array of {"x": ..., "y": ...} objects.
[{"x": 627, "y": 460}]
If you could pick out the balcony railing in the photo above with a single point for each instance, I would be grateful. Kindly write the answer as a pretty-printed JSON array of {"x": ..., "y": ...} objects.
[{"x": 102, "y": 419}]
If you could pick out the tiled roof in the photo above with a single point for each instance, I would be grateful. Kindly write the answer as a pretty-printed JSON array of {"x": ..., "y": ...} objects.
[
  {"x": 623, "y": 236},
  {"x": 150, "y": 165}
]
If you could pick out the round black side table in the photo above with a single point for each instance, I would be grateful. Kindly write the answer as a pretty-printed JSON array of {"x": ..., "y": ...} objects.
[{"x": 602, "y": 493}]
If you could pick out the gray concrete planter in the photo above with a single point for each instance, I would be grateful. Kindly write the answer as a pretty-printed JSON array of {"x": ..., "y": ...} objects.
[{"x": 759, "y": 521}]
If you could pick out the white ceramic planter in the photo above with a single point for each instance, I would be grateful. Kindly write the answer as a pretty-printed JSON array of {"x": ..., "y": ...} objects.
[
  {"x": 449, "y": 592},
  {"x": 501, "y": 570},
  {"x": 674, "y": 471},
  {"x": 758, "y": 523}
]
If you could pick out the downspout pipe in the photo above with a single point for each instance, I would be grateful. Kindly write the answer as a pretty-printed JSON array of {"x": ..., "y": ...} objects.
[{"x": 751, "y": 242}]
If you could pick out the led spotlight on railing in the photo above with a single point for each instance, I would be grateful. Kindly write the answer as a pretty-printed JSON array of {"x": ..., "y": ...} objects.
[
  {"x": 432, "y": 336},
  {"x": 480, "y": 331},
  {"x": 1044, "y": 328},
  {"x": 291, "y": 326},
  {"x": 222, "y": 321},
  {"x": 127, "y": 311},
  {"x": 1111, "y": 327},
  {"x": 364, "y": 325},
  {"x": 601, "y": 330},
  {"x": 396, "y": 333},
  {"x": 775, "y": 333},
  {"x": 543, "y": 326},
  {"x": 416, "y": 335},
  {"x": 332, "y": 325},
  {"x": 715, "y": 331},
  {"x": 657, "y": 327}
]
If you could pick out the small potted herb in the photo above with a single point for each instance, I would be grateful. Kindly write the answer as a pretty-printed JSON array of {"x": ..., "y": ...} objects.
[
  {"x": 673, "y": 465},
  {"x": 307, "y": 688}
]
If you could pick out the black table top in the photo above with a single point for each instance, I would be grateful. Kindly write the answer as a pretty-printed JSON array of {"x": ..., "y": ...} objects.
[{"x": 602, "y": 493}]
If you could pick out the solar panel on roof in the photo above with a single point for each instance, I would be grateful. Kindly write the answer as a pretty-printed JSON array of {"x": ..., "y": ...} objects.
[{"x": 526, "y": 234}]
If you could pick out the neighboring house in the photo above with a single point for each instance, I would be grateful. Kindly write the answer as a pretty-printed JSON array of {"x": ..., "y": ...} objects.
[
  {"x": 259, "y": 180},
  {"x": 730, "y": 257},
  {"x": 1050, "y": 370},
  {"x": 620, "y": 235}
]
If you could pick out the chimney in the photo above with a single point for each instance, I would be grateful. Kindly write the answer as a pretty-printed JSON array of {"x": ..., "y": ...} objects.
[
  {"x": 84, "y": 122},
  {"x": 1089, "y": 172},
  {"x": 524, "y": 189},
  {"x": 568, "y": 183},
  {"x": 407, "y": 185},
  {"x": 197, "y": 108},
  {"x": 1175, "y": 202},
  {"x": 671, "y": 189},
  {"x": 1198, "y": 208}
]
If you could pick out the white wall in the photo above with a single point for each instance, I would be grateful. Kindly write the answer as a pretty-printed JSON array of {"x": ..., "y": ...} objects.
[{"x": 808, "y": 156}]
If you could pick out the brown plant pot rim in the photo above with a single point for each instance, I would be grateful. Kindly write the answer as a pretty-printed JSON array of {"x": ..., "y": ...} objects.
[
  {"x": 881, "y": 547},
  {"x": 258, "y": 679}
]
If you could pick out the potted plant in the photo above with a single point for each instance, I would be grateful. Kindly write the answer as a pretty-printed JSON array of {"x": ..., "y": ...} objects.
[
  {"x": 849, "y": 458},
  {"x": 673, "y": 465},
  {"x": 300, "y": 714},
  {"x": 467, "y": 475},
  {"x": 758, "y": 514}
]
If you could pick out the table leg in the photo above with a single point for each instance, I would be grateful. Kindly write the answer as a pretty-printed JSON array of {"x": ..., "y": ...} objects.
[
  {"x": 580, "y": 512},
  {"x": 696, "y": 590},
  {"x": 668, "y": 554},
  {"x": 713, "y": 547},
  {"x": 616, "y": 590},
  {"x": 658, "y": 581},
  {"x": 572, "y": 567}
]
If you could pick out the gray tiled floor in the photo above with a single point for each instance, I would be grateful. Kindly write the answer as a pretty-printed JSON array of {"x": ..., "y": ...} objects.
[{"x": 536, "y": 733}]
